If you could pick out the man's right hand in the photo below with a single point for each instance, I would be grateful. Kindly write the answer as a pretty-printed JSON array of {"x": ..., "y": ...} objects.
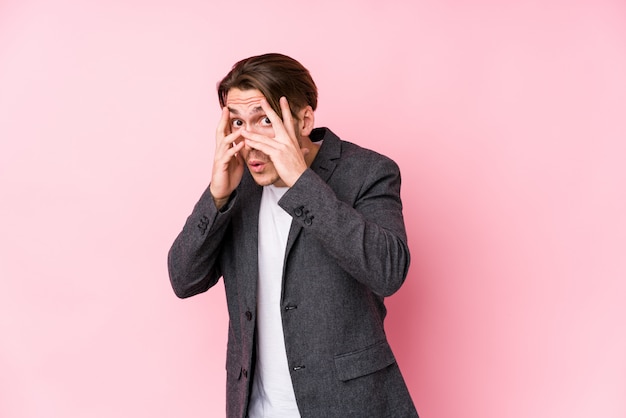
[{"x": 228, "y": 164}]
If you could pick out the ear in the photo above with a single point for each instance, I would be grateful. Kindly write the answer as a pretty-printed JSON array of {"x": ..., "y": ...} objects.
[{"x": 306, "y": 121}]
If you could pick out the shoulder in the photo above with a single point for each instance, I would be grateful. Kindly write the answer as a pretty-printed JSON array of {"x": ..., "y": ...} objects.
[
  {"x": 350, "y": 156},
  {"x": 352, "y": 151}
]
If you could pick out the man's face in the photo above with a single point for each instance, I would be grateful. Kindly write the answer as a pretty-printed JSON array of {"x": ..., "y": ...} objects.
[{"x": 246, "y": 113}]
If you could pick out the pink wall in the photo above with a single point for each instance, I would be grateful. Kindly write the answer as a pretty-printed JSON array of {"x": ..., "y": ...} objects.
[{"x": 507, "y": 119}]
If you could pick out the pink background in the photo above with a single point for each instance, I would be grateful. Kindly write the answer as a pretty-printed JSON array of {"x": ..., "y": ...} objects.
[{"x": 506, "y": 118}]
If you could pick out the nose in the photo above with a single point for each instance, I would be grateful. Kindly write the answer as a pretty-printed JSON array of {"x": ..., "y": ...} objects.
[
  {"x": 246, "y": 146},
  {"x": 254, "y": 128}
]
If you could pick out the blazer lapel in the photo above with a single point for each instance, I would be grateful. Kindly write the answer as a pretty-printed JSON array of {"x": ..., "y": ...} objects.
[
  {"x": 323, "y": 166},
  {"x": 251, "y": 201}
]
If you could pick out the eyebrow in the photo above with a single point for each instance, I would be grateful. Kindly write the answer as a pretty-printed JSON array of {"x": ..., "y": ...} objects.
[{"x": 257, "y": 109}]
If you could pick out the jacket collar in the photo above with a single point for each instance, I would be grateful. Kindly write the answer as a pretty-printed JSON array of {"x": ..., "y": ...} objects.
[{"x": 330, "y": 150}]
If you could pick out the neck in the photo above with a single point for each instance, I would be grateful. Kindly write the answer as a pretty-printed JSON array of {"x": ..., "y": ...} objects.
[{"x": 312, "y": 148}]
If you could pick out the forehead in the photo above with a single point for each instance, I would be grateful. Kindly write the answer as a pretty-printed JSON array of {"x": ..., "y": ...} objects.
[{"x": 243, "y": 98}]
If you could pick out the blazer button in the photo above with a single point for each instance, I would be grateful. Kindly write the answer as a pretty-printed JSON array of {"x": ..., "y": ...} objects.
[
  {"x": 245, "y": 373},
  {"x": 248, "y": 315},
  {"x": 298, "y": 212}
]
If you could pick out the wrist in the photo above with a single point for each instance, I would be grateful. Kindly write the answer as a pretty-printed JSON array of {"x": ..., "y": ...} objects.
[
  {"x": 219, "y": 201},
  {"x": 296, "y": 177}
]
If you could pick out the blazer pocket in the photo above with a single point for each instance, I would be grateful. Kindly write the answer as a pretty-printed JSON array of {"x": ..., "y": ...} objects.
[{"x": 365, "y": 361}]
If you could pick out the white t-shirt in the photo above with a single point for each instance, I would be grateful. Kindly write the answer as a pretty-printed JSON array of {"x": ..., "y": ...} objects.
[{"x": 272, "y": 390}]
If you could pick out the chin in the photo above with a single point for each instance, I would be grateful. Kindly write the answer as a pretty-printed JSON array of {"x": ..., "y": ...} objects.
[{"x": 264, "y": 180}]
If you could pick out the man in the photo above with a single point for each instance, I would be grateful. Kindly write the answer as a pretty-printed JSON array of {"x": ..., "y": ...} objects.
[{"x": 307, "y": 232}]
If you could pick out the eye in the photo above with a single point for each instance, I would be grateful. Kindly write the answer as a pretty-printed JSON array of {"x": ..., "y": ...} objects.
[
  {"x": 266, "y": 121},
  {"x": 236, "y": 123}
]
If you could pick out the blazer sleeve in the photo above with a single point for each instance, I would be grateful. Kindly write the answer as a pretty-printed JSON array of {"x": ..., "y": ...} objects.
[
  {"x": 193, "y": 258},
  {"x": 366, "y": 235}
]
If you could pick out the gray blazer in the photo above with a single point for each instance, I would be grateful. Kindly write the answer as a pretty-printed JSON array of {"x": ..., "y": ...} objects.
[{"x": 346, "y": 251}]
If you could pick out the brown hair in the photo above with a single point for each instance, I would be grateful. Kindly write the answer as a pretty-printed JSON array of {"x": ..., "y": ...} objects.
[{"x": 274, "y": 75}]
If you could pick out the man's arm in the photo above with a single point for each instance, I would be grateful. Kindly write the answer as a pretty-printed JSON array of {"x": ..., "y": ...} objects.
[
  {"x": 193, "y": 258},
  {"x": 368, "y": 240}
]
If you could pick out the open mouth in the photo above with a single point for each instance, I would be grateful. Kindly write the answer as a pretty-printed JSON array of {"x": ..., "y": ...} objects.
[{"x": 256, "y": 165}]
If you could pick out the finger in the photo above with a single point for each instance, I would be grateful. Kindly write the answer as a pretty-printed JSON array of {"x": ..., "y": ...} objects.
[
  {"x": 227, "y": 143},
  {"x": 231, "y": 139},
  {"x": 277, "y": 122},
  {"x": 235, "y": 150},
  {"x": 288, "y": 118},
  {"x": 231, "y": 152},
  {"x": 223, "y": 132},
  {"x": 259, "y": 142},
  {"x": 223, "y": 127}
]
